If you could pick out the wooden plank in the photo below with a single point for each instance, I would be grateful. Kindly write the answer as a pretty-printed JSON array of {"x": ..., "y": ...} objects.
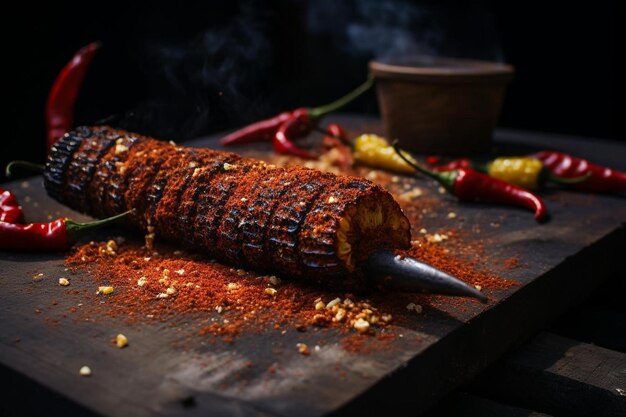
[
  {"x": 561, "y": 376},
  {"x": 562, "y": 261},
  {"x": 461, "y": 404}
]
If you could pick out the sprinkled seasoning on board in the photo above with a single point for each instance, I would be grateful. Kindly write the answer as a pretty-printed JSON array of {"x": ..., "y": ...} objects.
[{"x": 162, "y": 283}]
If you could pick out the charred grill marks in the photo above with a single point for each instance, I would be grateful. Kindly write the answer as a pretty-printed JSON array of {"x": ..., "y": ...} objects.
[{"x": 294, "y": 221}]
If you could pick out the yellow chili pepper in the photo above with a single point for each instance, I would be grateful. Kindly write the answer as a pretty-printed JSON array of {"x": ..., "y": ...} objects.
[
  {"x": 376, "y": 152},
  {"x": 522, "y": 171}
]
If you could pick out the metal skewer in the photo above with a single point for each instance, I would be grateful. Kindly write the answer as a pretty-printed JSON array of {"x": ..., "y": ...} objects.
[{"x": 409, "y": 274}]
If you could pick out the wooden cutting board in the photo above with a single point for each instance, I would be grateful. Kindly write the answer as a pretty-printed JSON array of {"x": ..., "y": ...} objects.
[{"x": 42, "y": 348}]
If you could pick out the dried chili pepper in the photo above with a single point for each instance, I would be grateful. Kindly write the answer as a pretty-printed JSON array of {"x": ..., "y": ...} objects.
[
  {"x": 299, "y": 122},
  {"x": 600, "y": 179},
  {"x": 62, "y": 96},
  {"x": 57, "y": 235},
  {"x": 525, "y": 171},
  {"x": 469, "y": 185},
  {"x": 10, "y": 210}
]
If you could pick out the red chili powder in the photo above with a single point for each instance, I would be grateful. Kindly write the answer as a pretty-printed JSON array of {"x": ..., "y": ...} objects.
[
  {"x": 512, "y": 262},
  {"x": 225, "y": 301}
]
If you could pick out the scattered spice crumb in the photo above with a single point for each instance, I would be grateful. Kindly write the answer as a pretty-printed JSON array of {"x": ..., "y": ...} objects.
[
  {"x": 85, "y": 371},
  {"x": 64, "y": 282}
]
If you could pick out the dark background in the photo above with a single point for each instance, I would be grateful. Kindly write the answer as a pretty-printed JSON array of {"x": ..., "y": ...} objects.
[{"x": 179, "y": 70}]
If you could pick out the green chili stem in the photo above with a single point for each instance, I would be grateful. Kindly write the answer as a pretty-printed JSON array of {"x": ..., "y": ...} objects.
[
  {"x": 74, "y": 229},
  {"x": 317, "y": 113},
  {"x": 446, "y": 178},
  {"x": 30, "y": 166}
]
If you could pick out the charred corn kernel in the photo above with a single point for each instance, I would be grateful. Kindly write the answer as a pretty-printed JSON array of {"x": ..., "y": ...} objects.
[
  {"x": 121, "y": 341},
  {"x": 104, "y": 290},
  {"x": 64, "y": 282},
  {"x": 522, "y": 171},
  {"x": 376, "y": 152}
]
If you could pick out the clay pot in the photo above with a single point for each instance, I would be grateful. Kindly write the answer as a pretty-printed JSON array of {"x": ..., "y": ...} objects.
[{"x": 441, "y": 105}]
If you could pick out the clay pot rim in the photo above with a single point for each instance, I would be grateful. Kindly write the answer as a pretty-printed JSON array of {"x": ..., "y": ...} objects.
[{"x": 441, "y": 69}]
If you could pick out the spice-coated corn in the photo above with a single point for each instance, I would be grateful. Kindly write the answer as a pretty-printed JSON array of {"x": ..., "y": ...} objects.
[{"x": 301, "y": 222}]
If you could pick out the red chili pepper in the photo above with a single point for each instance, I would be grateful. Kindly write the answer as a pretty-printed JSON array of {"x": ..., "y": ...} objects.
[
  {"x": 269, "y": 128},
  {"x": 601, "y": 179},
  {"x": 452, "y": 165},
  {"x": 10, "y": 210},
  {"x": 336, "y": 138},
  {"x": 62, "y": 96},
  {"x": 57, "y": 235},
  {"x": 297, "y": 126},
  {"x": 432, "y": 160},
  {"x": 262, "y": 131},
  {"x": 469, "y": 185}
]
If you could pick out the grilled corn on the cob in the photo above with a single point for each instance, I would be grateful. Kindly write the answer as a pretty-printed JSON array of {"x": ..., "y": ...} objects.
[{"x": 296, "y": 221}]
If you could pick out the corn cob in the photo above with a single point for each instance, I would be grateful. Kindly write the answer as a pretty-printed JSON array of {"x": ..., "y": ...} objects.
[{"x": 295, "y": 221}]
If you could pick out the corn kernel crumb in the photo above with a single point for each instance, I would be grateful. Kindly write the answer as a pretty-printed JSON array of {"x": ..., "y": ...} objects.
[
  {"x": 303, "y": 349},
  {"x": 64, "y": 282},
  {"x": 361, "y": 325},
  {"x": 121, "y": 341},
  {"x": 85, "y": 371},
  {"x": 104, "y": 290},
  {"x": 333, "y": 303}
]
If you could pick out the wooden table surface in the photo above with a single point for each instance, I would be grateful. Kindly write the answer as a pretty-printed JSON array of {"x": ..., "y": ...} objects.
[{"x": 563, "y": 260}]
